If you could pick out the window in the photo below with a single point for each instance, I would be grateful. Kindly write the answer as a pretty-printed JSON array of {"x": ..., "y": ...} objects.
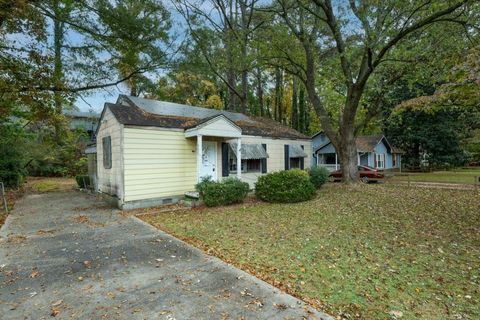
[
  {"x": 394, "y": 160},
  {"x": 248, "y": 165},
  {"x": 380, "y": 160},
  {"x": 107, "y": 152},
  {"x": 295, "y": 163}
]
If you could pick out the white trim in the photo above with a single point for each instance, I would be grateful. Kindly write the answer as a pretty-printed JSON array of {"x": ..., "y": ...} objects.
[
  {"x": 380, "y": 159},
  {"x": 202, "y": 129},
  {"x": 239, "y": 158},
  {"x": 199, "y": 156},
  {"x": 153, "y": 128}
]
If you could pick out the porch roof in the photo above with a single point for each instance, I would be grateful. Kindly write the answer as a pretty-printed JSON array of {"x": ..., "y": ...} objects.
[{"x": 216, "y": 126}]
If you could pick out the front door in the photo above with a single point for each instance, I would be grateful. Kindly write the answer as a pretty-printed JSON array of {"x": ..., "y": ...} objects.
[{"x": 209, "y": 160}]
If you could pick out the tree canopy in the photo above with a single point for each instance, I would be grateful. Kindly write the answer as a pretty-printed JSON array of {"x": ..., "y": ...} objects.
[{"x": 339, "y": 66}]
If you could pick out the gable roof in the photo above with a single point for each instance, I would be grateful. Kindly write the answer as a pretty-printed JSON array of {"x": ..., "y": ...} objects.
[
  {"x": 145, "y": 112},
  {"x": 317, "y": 134},
  {"x": 367, "y": 143}
]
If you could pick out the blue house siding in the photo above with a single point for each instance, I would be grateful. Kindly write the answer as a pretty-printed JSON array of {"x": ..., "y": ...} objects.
[{"x": 379, "y": 146}]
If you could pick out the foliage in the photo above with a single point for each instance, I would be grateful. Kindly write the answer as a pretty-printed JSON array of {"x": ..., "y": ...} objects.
[
  {"x": 13, "y": 151},
  {"x": 83, "y": 181},
  {"x": 438, "y": 127},
  {"x": 188, "y": 88},
  {"x": 285, "y": 186},
  {"x": 58, "y": 157},
  {"x": 225, "y": 192},
  {"x": 348, "y": 259},
  {"x": 351, "y": 48},
  {"x": 318, "y": 176},
  {"x": 204, "y": 181},
  {"x": 137, "y": 31}
]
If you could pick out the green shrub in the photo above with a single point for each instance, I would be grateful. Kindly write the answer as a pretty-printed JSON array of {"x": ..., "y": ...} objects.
[
  {"x": 319, "y": 176},
  {"x": 83, "y": 181},
  {"x": 13, "y": 154},
  {"x": 228, "y": 191},
  {"x": 285, "y": 186},
  {"x": 200, "y": 187}
]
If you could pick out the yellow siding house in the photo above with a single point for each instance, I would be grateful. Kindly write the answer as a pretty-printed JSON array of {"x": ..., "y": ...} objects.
[{"x": 152, "y": 152}]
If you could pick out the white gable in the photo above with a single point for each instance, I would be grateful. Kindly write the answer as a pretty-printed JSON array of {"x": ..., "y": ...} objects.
[{"x": 219, "y": 126}]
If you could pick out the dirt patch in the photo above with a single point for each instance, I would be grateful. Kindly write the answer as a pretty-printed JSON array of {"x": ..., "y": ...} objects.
[
  {"x": 87, "y": 221},
  {"x": 16, "y": 239},
  {"x": 43, "y": 232}
]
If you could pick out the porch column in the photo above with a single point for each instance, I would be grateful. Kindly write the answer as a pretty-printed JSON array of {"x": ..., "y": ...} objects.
[
  {"x": 199, "y": 155},
  {"x": 239, "y": 158},
  {"x": 358, "y": 158},
  {"x": 336, "y": 161}
]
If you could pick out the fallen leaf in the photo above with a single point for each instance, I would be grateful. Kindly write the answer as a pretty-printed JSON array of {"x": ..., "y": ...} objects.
[{"x": 57, "y": 303}]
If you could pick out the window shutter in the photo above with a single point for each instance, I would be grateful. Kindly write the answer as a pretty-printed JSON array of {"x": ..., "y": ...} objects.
[
  {"x": 107, "y": 152},
  {"x": 287, "y": 157},
  {"x": 264, "y": 161},
  {"x": 225, "y": 168},
  {"x": 302, "y": 160}
]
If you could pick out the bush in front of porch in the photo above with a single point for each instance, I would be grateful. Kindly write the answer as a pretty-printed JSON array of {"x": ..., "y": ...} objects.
[
  {"x": 319, "y": 176},
  {"x": 227, "y": 191},
  {"x": 285, "y": 186}
]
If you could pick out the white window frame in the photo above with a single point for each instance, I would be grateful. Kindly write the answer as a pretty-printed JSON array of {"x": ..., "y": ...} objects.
[{"x": 380, "y": 160}]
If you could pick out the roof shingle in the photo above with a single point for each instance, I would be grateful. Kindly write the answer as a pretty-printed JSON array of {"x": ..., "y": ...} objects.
[{"x": 127, "y": 111}]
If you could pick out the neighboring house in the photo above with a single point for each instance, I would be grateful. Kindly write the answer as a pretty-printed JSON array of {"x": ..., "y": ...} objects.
[
  {"x": 87, "y": 121},
  {"x": 374, "y": 151},
  {"x": 151, "y": 152}
]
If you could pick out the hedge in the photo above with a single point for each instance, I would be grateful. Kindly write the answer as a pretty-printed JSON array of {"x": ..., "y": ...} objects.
[
  {"x": 319, "y": 176},
  {"x": 285, "y": 186},
  {"x": 228, "y": 191}
]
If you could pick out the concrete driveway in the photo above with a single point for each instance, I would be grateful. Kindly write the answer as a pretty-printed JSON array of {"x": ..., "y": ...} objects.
[{"x": 67, "y": 255}]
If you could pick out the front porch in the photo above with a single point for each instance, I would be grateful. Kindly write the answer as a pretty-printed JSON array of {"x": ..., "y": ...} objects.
[
  {"x": 331, "y": 160},
  {"x": 209, "y": 134}
]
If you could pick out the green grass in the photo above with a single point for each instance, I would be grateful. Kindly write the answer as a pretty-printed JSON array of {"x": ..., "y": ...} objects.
[
  {"x": 355, "y": 252},
  {"x": 464, "y": 176},
  {"x": 51, "y": 184}
]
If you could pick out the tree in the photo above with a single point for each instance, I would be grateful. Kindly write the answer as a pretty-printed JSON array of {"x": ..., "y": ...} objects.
[
  {"x": 357, "y": 39},
  {"x": 132, "y": 47},
  {"x": 437, "y": 127},
  {"x": 223, "y": 31}
]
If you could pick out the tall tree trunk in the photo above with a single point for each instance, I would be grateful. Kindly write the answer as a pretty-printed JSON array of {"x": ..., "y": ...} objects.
[
  {"x": 260, "y": 91},
  {"x": 231, "y": 77},
  {"x": 301, "y": 110},
  {"x": 295, "y": 103},
  {"x": 58, "y": 38},
  {"x": 347, "y": 148},
  {"x": 57, "y": 48},
  {"x": 133, "y": 89},
  {"x": 244, "y": 20},
  {"x": 277, "y": 95},
  {"x": 244, "y": 98}
]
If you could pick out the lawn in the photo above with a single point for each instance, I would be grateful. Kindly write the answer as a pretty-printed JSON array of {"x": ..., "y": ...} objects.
[
  {"x": 363, "y": 252},
  {"x": 460, "y": 175}
]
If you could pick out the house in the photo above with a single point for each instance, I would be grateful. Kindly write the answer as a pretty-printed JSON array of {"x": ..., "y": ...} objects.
[
  {"x": 153, "y": 152},
  {"x": 374, "y": 151},
  {"x": 87, "y": 121}
]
